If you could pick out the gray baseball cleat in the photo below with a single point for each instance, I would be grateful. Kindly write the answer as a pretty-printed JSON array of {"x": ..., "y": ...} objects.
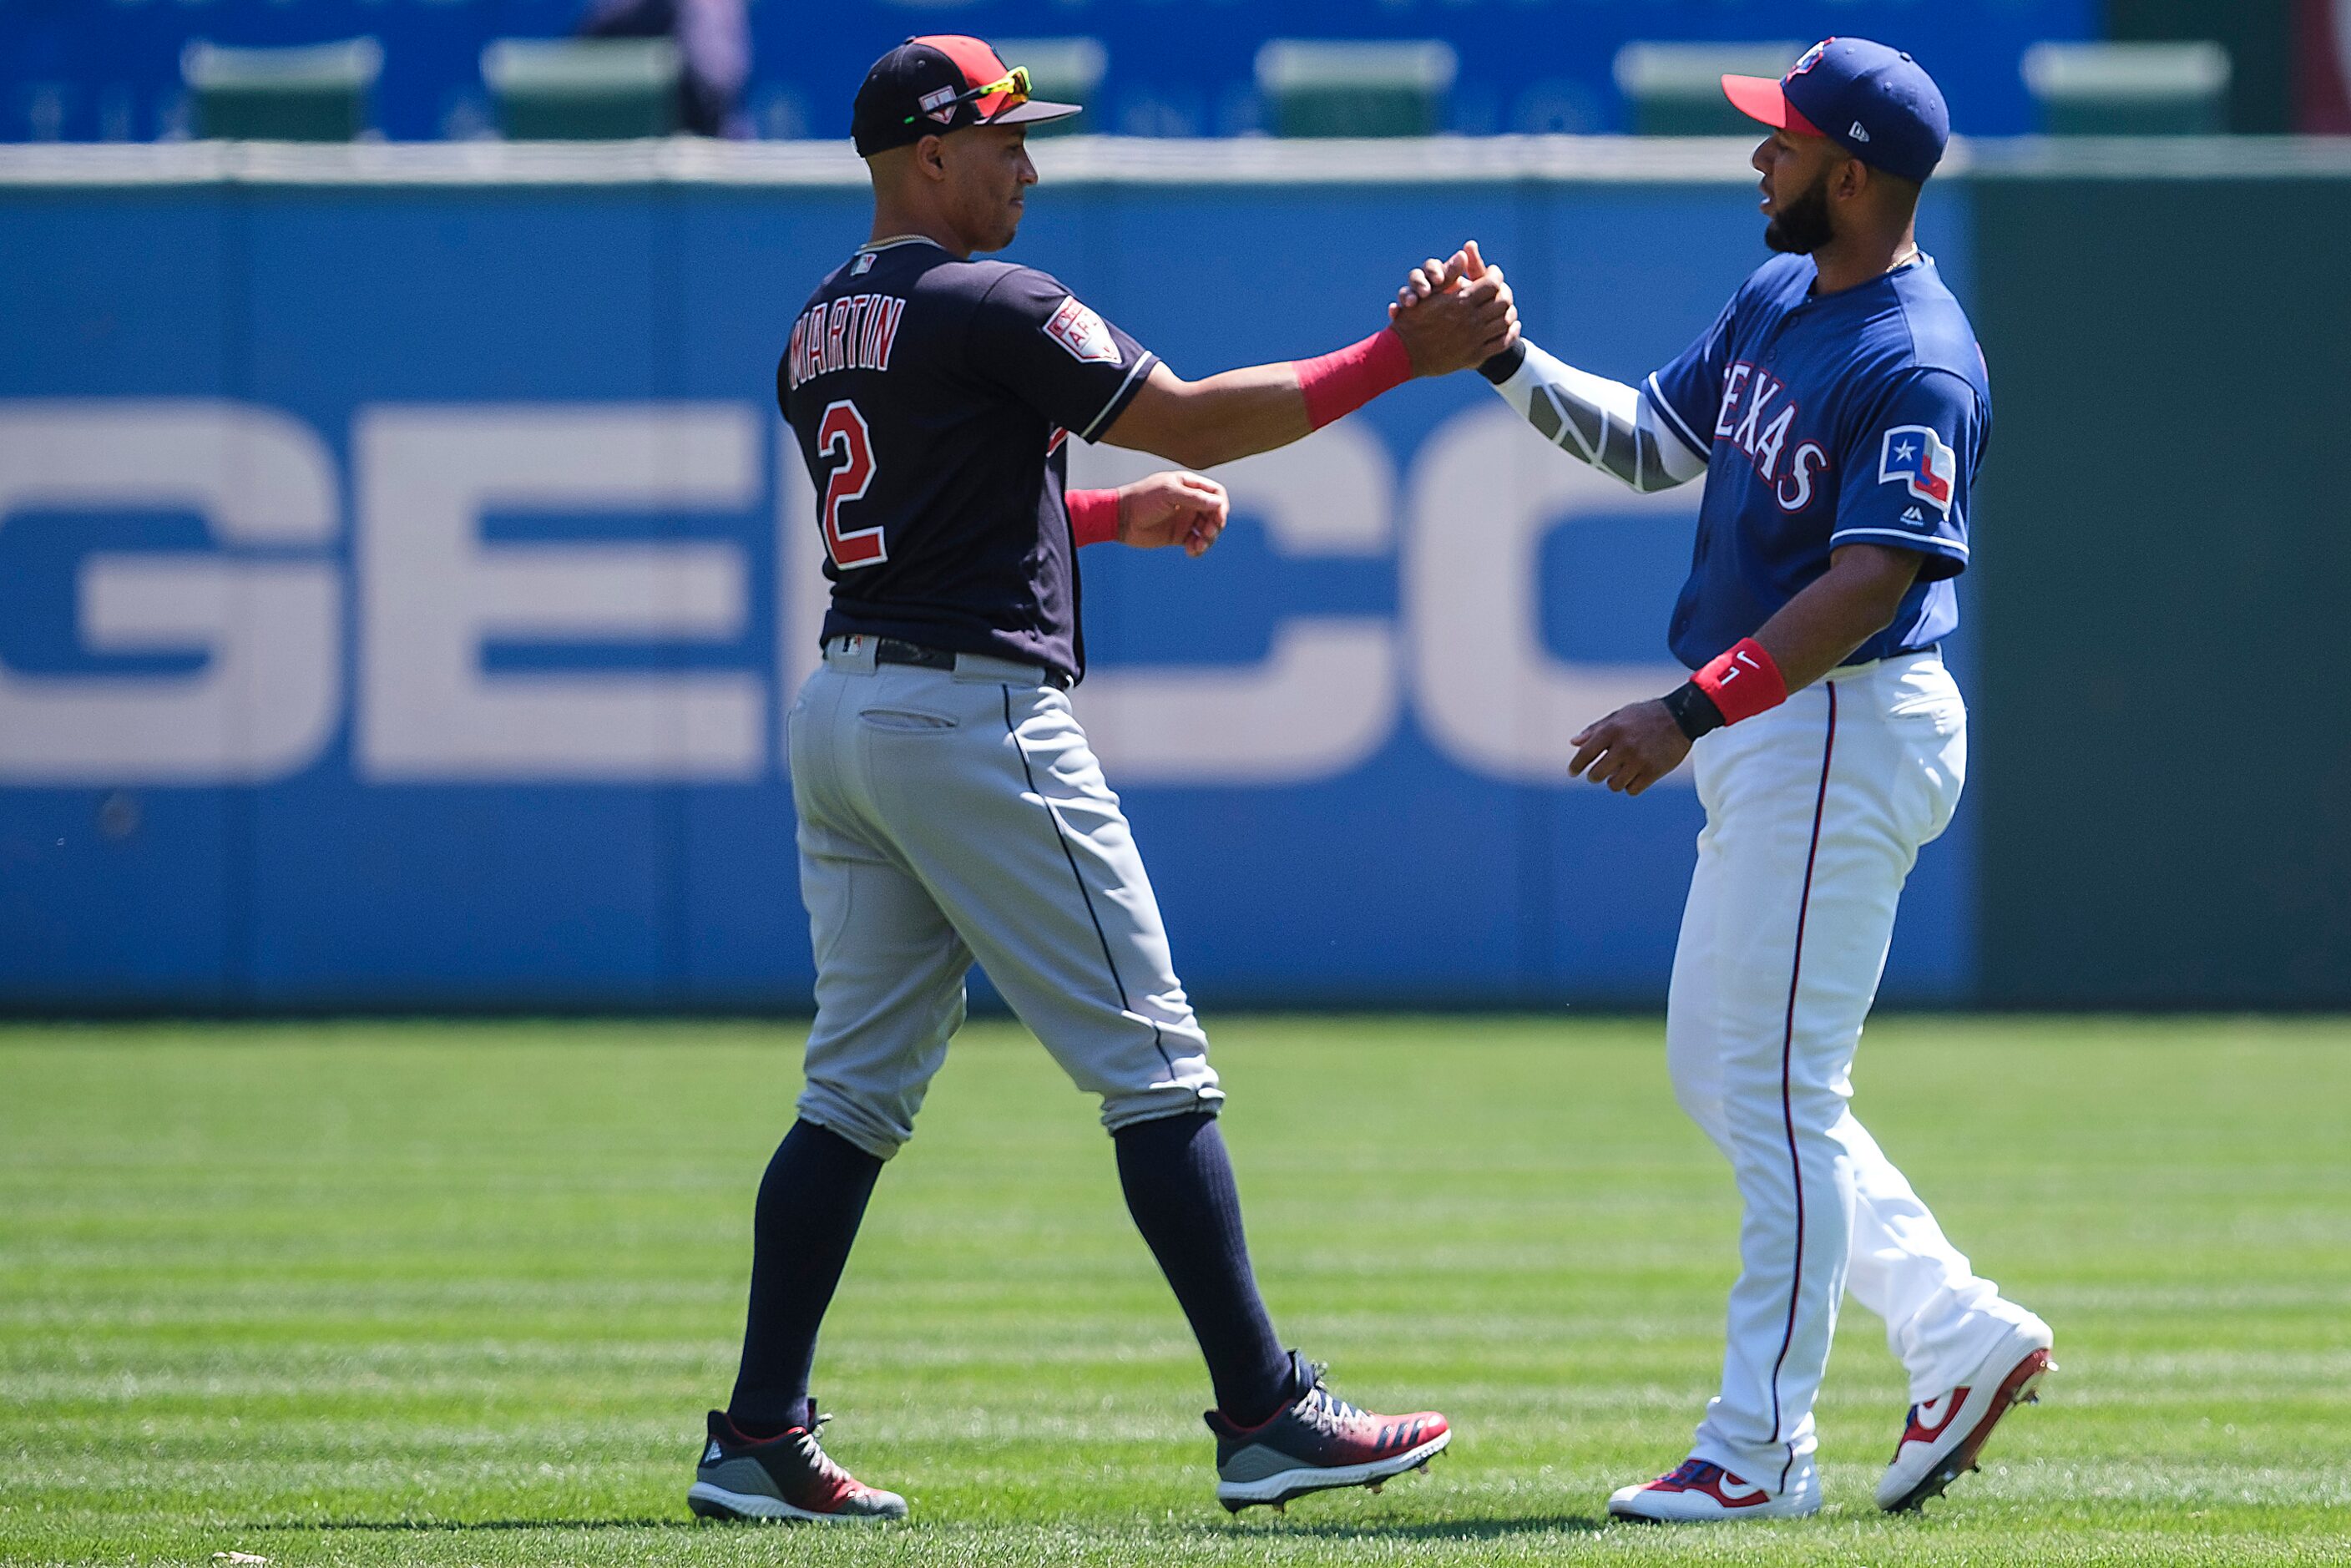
[
  {"x": 1943, "y": 1436},
  {"x": 1316, "y": 1443},
  {"x": 785, "y": 1476}
]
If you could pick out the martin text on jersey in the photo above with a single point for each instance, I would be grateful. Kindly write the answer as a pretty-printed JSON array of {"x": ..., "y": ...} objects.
[{"x": 854, "y": 333}]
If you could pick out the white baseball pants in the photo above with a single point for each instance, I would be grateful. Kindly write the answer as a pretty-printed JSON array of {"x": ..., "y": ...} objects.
[
  {"x": 952, "y": 815},
  {"x": 1815, "y": 812}
]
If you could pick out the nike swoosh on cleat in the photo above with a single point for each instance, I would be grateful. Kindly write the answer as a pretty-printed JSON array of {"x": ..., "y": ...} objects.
[{"x": 1921, "y": 1432}]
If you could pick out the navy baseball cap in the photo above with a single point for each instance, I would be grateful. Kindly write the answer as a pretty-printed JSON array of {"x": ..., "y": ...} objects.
[
  {"x": 942, "y": 82},
  {"x": 1876, "y": 103}
]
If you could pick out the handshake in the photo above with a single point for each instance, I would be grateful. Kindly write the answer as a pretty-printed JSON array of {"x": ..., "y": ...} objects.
[{"x": 1454, "y": 315}]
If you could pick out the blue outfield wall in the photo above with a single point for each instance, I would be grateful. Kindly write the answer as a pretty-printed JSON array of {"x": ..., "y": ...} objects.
[{"x": 401, "y": 586}]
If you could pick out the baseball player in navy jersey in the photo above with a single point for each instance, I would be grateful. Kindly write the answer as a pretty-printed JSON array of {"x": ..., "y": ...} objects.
[
  {"x": 950, "y": 809},
  {"x": 1837, "y": 409}
]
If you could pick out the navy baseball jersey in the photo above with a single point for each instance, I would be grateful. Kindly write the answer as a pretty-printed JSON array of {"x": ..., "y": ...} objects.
[
  {"x": 1856, "y": 417},
  {"x": 932, "y": 397}
]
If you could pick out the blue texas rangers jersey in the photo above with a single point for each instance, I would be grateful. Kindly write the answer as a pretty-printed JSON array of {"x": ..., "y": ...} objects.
[{"x": 1850, "y": 418}]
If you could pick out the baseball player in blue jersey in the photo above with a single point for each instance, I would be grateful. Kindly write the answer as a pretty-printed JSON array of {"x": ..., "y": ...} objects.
[
  {"x": 1837, "y": 410},
  {"x": 950, "y": 807}
]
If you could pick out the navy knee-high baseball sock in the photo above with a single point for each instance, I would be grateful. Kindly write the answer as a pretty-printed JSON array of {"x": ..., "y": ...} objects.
[
  {"x": 810, "y": 1202},
  {"x": 1179, "y": 1188}
]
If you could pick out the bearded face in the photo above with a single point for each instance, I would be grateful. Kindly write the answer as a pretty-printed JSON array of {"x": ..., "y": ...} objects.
[{"x": 1801, "y": 224}]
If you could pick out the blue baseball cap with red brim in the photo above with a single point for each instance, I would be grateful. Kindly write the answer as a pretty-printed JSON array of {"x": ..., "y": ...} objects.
[{"x": 1876, "y": 102}]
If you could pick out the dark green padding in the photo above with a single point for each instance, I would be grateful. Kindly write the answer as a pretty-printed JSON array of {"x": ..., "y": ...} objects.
[{"x": 2162, "y": 737}]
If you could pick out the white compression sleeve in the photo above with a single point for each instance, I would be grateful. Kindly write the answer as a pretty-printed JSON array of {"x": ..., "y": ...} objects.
[{"x": 1608, "y": 424}]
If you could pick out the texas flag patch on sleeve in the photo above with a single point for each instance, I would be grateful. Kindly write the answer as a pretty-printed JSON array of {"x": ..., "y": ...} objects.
[
  {"x": 1085, "y": 335},
  {"x": 1917, "y": 457}
]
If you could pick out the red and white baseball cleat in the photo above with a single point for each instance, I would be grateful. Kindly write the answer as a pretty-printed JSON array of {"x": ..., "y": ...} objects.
[
  {"x": 1701, "y": 1490},
  {"x": 1317, "y": 1443},
  {"x": 785, "y": 1476},
  {"x": 1943, "y": 1437}
]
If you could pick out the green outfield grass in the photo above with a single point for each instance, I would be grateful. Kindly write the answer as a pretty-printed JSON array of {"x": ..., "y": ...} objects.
[{"x": 416, "y": 1293}]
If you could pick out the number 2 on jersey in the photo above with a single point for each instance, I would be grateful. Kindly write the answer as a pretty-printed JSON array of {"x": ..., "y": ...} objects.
[{"x": 842, "y": 431}]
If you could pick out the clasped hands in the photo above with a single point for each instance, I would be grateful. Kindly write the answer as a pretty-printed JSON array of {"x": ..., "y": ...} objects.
[{"x": 1453, "y": 315}]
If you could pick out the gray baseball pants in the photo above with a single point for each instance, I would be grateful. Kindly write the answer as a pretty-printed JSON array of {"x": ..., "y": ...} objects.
[{"x": 948, "y": 816}]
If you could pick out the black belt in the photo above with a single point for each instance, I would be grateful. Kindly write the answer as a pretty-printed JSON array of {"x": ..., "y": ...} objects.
[
  {"x": 892, "y": 650},
  {"x": 898, "y": 650}
]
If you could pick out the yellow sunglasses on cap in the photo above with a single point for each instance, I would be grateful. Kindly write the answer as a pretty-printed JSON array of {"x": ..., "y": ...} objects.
[{"x": 1014, "y": 81}]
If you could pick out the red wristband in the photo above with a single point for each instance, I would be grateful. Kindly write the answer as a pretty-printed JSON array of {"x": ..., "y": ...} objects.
[
  {"x": 1094, "y": 515},
  {"x": 1743, "y": 683},
  {"x": 1336, "y": 385}
]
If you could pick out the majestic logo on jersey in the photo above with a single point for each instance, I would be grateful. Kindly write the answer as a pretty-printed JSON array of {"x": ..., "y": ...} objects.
[
  {"x": 1917, "y": 457},
  {"x": 1085, "y": 335},
  {"x": 852, "y": 334},
  {"x": 1811, "y": 58}
]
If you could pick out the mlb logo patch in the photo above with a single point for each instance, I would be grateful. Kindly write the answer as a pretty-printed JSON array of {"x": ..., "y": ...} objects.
[
  {"x": 1085, "y": 335},
  {"x": 939, "y": 104},
  {"x": 1917, "y": 457}
]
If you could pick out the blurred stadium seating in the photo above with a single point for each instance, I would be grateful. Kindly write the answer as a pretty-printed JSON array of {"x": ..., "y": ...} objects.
[
  {"x": 109, "y": 69},
  {"x": 292, "y": 92},
  {"x": 583, "y": 89},
  {"x": 87, "y": 70},
  {"x": 2130, "y": 88}
]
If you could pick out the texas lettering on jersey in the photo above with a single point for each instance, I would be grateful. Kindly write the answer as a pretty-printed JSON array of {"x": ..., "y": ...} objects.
[
  {"x": 1758, "y": 417},
  {"x": 854, "y": 333}
]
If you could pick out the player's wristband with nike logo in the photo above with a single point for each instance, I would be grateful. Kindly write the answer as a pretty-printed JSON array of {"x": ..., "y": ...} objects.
[
  {"x": 1337, "y": 384},
  {"x": 1744, "y": 682},
  {"x": 1738, "y": 685}
]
